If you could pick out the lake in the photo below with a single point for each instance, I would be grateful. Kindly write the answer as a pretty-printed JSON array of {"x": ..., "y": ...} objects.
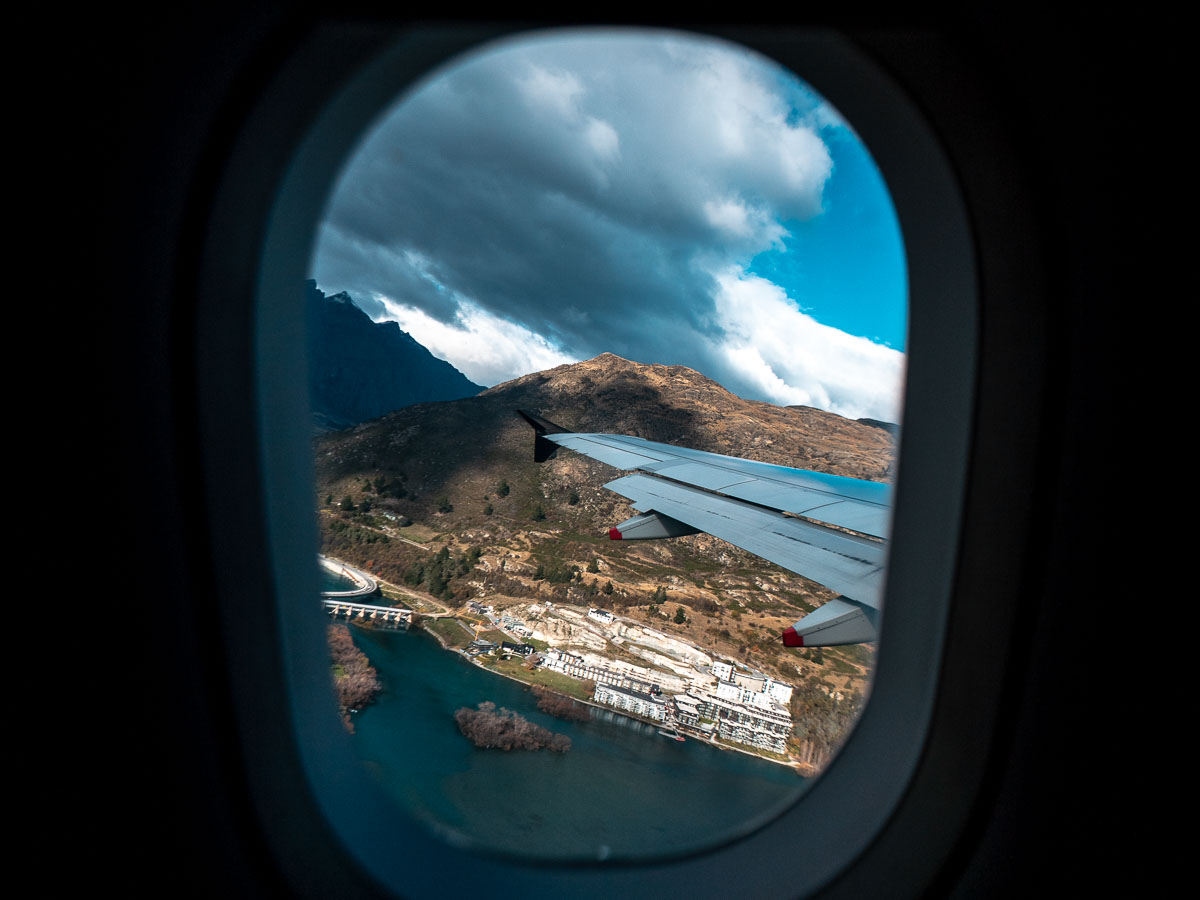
[{"x": 621, "y": 791}]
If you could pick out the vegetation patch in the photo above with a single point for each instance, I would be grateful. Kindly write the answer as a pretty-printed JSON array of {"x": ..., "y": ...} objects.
[
  {"x": 490, "y": 727},
  {"x": 560, "y": 705},
  {"x": 555, "y": 681},
  {"x": 354, "y": 678},
  {"x": 450, "y": 631}
]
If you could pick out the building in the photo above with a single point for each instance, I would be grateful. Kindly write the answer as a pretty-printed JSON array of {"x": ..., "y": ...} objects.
[
  {"x": 648, "y": 706},
  {"x": 519, "y": 649},
  {"x": 748, "y": 687},
  {"x": 687, "y": 711},
  {"x": 576, "y": 667},
  {"x": 767, "y": 727},
  {"x": 755, "y": 683},
  {"x": 723, "y": 671}
]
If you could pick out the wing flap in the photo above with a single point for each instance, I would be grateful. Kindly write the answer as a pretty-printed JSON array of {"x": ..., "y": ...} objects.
[
  {"x": 862, "y": 506},
  {"x": 609, "y": 452},
  {"x": 848, "y": 564},
  {"x": 840, "y": 621}
]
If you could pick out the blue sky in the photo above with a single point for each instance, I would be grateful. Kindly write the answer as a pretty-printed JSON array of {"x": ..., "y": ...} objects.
[
  {"x": 846, "y": 266},
  {"x": 667, "y": 198}
]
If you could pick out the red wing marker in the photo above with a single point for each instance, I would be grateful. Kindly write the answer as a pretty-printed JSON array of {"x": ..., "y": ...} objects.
[{"x": 791, "y": 639}]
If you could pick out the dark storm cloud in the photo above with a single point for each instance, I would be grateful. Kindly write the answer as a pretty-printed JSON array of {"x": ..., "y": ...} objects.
[{"x": 589, "y": 191}]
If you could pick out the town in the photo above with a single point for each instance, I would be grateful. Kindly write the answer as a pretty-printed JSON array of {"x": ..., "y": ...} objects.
[{"x": 680, "y": 687}]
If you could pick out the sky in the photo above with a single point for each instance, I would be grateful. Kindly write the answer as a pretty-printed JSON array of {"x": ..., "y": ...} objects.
[{"x": 668, "y": 198}]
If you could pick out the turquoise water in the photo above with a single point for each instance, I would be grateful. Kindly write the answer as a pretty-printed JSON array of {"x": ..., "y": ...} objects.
[
  {"x": 331, "y": 581},
  {"x": 622, "y": 790}
]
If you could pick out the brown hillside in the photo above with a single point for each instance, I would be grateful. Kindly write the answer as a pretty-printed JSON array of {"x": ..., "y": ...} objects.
[{"x": 443, "y": 466}]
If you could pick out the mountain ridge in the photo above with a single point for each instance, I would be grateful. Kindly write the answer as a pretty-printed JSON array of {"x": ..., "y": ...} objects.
[
  {"x": 457, "y": 447},
  {"x": 445, "y": 498},
  {"x": 360, "y": 369}
]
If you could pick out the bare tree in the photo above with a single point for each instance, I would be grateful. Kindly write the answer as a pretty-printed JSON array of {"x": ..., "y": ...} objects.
[
  {"x": 489, "y": 727},
  {"x": 560, "y": 705}
]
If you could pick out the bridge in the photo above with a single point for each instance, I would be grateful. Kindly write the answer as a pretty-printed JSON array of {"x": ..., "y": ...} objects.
[
  {"x": 390, "y": 616},
  {"x": 342, "y": 605},
  {"x": 364, "y": 584}
]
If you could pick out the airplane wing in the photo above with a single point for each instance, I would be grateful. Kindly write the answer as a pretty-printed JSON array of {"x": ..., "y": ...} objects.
[{"x": 828, "y": 528}]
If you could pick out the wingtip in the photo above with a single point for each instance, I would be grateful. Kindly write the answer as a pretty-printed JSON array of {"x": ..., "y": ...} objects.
[
  {"x": 542, "y": 449},
  {"x": 540, "y": 425}
]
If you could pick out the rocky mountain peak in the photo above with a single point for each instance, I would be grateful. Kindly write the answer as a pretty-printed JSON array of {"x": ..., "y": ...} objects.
[{"x": 360, "y": 369}]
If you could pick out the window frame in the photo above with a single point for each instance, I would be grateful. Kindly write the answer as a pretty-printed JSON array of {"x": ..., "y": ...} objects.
[{"x": 327, "y": 828}]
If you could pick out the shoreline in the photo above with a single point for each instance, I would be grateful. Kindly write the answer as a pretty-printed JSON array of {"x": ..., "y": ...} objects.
[{"x": 799, "y": 768}]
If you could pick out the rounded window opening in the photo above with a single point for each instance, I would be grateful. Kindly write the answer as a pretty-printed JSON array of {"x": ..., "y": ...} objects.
[{"x": 600, "y": 321}]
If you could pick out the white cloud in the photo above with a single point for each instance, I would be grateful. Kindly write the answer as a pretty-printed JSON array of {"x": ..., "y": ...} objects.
[
  {"x": 487, "y": 349},
  {"x": 730, "y": 216},
  {"x": 556, "y": 197},
  {"x": 556, "y": 92},
  {"x": 789, "y": 357},
  {"x": 602, "y": 138}
]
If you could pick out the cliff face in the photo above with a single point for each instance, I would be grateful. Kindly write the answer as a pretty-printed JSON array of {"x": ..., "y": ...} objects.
[{"x": 360, "y": 370}]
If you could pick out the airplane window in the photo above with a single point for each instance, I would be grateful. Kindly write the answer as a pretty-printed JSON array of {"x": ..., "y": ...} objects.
[{"x": 607, "y": 349}]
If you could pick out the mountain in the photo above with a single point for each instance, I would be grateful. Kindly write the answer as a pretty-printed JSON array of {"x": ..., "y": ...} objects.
[
  {"x": 446, "y": 499},
  {"x": 360, "y": 369},
  {"x": 459, "y": 447}
]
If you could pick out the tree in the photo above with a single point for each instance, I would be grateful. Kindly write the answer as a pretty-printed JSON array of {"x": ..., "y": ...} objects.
[
  {"x": 487, "y": 510},
  {"x": 488, "y": 726},
  {"x": 608, "y": 587},
  {"x": 680, "y": 618},
  {"x": 573, "y": 499},
  {"x": 502, "y": 490},
  {"x": 348, "y": 504},
  {"x": 539, "y": 514},
  {"x": 593, "y": 567},
  {"x": 444, "y": 504}
]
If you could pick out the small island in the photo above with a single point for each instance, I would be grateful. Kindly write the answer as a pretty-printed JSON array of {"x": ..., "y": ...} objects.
[
  {"x": 489, "y": 727},
  {"x": 354, "y": 678},
  {"x": 510, "y": 561}
]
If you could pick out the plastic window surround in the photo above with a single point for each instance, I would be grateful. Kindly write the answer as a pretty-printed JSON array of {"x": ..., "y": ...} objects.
[{"x": 328, "y": 829}]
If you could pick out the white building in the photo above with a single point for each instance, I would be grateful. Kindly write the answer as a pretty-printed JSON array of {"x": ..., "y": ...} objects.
[
  {"x": 767, "y": 727},
  {"x": 648, "y": 706},
  {"x": 774, "y": 695},
  {"x": 569, "y": 664},
  {"x": 747, "y": 708},
  {"x": 687, "y": 712},
  {"x": 780, "y": 691},
  {"x": 747, "y": 687}
]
